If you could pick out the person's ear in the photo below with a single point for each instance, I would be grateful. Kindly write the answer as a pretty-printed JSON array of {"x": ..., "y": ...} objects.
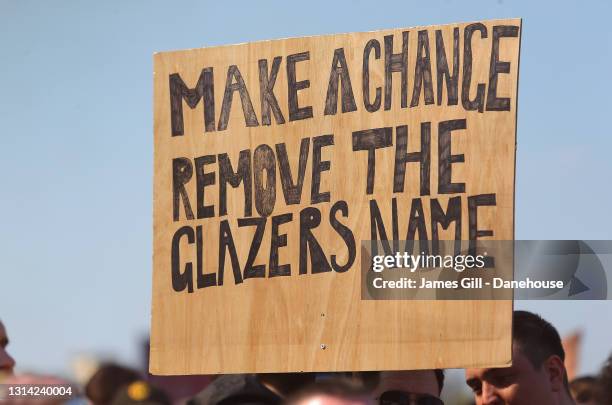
[{"x": 555, "y": 369}]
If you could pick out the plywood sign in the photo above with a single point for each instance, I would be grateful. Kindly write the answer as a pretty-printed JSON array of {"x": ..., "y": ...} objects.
[{"x": 274, "y": 160}]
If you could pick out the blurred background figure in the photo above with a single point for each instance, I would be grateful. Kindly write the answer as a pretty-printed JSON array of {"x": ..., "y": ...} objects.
[
  {"x": 332, "y": 391},
  {"x": 6, "y": 361},
  {"x": 404, "y": 387},
  {"x": 108, "y": 381},
  {"x": 264, "y": 389},
  {"x": 140, "y": 393},
  {"x": 605, "y": 382},
  {"x": 234, "y": 389},
  {"x": 586, "y": 391},
  {"x": 178, "y": 387}
]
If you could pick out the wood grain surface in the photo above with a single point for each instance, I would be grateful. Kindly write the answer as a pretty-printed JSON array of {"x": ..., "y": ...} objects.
[{"x": 293, "y": 303}]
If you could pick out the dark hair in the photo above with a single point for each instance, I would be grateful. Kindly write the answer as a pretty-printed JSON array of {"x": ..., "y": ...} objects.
[
  {"x": 585, "y": 389},
  {"x": 334, "y": 387},
  {"x": 370, "y": 379},
  {"x": 440, "y": 377},
  {"x": 537, "y": 339},
  {"x": 107, "y": 381},
  {"x": 605, "y": 381}
]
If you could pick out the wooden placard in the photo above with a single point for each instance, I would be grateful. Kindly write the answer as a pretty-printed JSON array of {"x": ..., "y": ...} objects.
[{"x": 272, "y": 161}]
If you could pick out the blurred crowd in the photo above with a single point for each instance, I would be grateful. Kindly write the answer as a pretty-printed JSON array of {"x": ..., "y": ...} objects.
[{"x": 537, "y": 376}]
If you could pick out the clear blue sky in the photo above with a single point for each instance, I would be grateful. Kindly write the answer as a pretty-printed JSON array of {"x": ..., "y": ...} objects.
[{"x": 76, "y": 148}]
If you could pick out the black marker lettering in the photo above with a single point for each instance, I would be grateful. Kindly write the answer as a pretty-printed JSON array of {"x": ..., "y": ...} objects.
[
  {"x": 345, "y": 233},
  {"x": 242, "y": 175},
  {"x": 370, "y": 140},
  {"x": 209, "y": 279},
  {"x": 365, "y": 80},
  {"x": 319, "y": 166},
  {"x": 416, "y": 222},
  {"x": 247, "y": 106},
  {"x": 183, "y": 280},
  {"x": 182, "y": 170},
  {"x": 473, "y": 203},
  {"x": 277, "y": 241},
  {"x": 453, "y": 214},
  {"x": 402, "y": 157},
  {"x": 179, "y": 92},
  {"x": 291, "y": 191},
  {"x": 226, "y": 242},
  {"x": 250, "y": 271},
  {"x": 422, "y": 72},
  {"x": 493, "y": 102},
  {"x": 265, "y": 196},
  {"x": 339, "y": 72},
  {"x": 266, "y": 91},
  {"x": 377, "y": 227},
  {"x": 478, "y": 102},
  {"x": 310, "y": 218},
  {"x": 452, "y": 81},
  {"x": 204, "y": 179},
  {"x": 446, "y": 159},
  {"x": 295, "y": 111},
  {"x": 396, "y": 62}
]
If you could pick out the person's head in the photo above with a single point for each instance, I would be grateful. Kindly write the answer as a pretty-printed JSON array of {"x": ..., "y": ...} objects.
[
  {"x": 6, "y": 361},
  {"x": 537, "y": 374},
  {"x": 389, "y": 387},
  {"x": 605, "y": 381},
  {"x": 585, "y": 390},
  {"x": 107, "y": 381},
  {"x": 332, "y": 391}
]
